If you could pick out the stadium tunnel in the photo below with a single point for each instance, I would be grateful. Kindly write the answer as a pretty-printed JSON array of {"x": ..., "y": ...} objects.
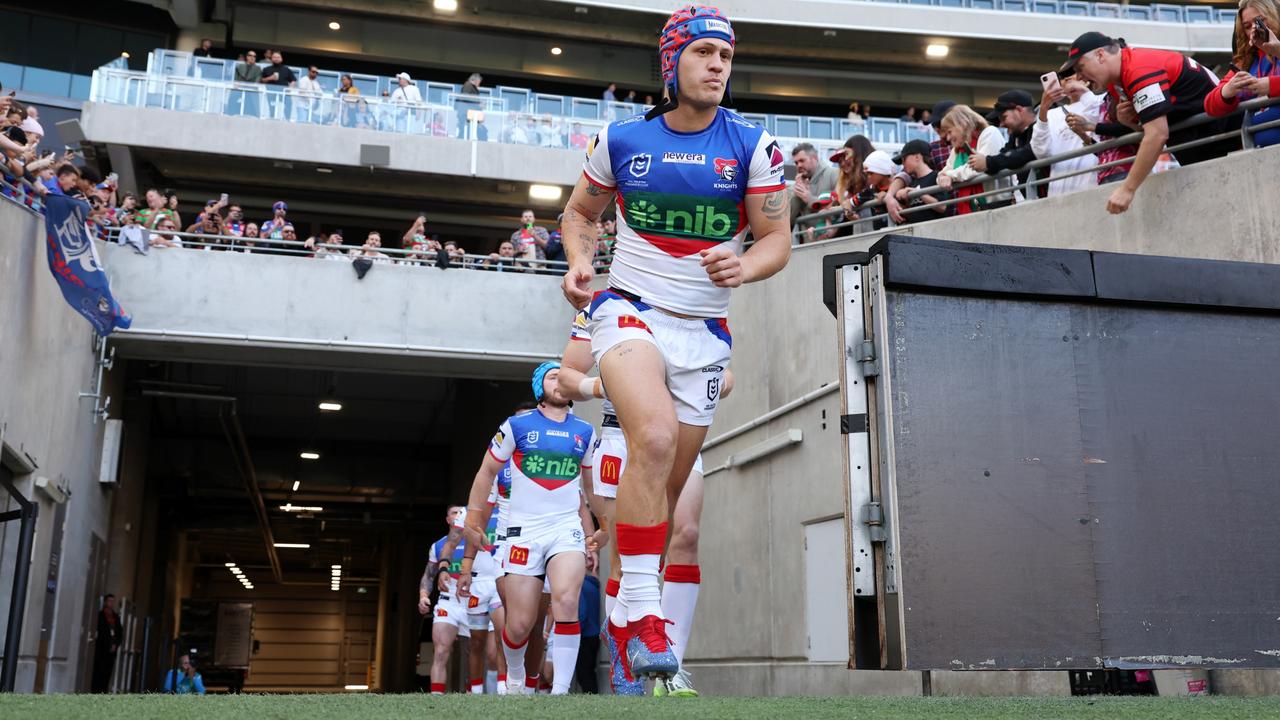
[{"x": 224, "y": 452}]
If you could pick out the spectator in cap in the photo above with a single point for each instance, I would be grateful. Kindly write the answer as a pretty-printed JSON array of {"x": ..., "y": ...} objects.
[
  {"x": 939, "y": 151},
  {"x": 851, "y": 178},
  {"x": 407, "y": 92},
  {"x": 1053, "y": 136},
  {"x": 916, "y": 173},
  {"x": 1014, "y": 112},
  {"x": 1258, "y": 50},
  {"x": 1160, "y": 88},
  {"x": 814, "y": 179},
  {"x": 969, "y": 134},
  {"x": 880, "y": 169}
]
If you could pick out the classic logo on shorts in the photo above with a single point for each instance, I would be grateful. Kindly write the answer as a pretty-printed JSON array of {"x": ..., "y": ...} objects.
[
  {"x": 631, "y": 321},
  {"x": 727, "y": 168},
  {"x": 640, "y": 164},
  {"x": 550, "y": 470},
  {"x": 518, "y": 556},
  {"x": 610, "y": 469}
]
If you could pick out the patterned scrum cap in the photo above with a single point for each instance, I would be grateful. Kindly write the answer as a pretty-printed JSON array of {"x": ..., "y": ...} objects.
[{"x": 685, "y": 25}]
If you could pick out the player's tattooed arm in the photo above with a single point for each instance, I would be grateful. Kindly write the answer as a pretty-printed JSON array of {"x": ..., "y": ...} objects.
[
  {"x": 775, "y": 205},
  {"x": 595, "y": 190}
]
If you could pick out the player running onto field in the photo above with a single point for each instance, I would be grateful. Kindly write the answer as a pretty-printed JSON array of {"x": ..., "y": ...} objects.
[{"x": 690, "y": 179}]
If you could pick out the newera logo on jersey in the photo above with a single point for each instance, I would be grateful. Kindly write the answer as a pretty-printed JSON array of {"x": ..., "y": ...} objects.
[{"x": 684, "y": 158}]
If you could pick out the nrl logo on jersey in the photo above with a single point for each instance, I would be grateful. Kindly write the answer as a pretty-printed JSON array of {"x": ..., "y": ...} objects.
[
  {"x": 640, "y": 164},
  {"x": 684, "y": 158}
]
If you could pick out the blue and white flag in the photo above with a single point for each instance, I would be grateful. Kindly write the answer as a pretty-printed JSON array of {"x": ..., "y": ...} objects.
[{"x": 74, "y": 262}]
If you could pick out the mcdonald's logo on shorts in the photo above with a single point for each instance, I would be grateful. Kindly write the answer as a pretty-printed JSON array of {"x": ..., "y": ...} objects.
[
  {"x": 473, "y": 601},
  {"x": 610, "y": 469},
  {"x": 631, "y": 321},
  {"x": 441, "y": 612},
  {"x": 519, "y": 555}
]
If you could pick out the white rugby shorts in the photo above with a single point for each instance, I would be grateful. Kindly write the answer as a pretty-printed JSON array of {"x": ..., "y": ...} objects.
[
  {"x": 696, "y": 350},
  {"x": 528, "y": 550}
]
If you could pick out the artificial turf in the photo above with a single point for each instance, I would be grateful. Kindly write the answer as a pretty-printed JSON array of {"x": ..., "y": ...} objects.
[{"x": 417, "y": 706}]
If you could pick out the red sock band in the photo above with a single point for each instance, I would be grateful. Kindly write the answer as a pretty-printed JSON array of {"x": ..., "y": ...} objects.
[
  {"x": 437, "y": 687},
  {"x": 568, "y": 628},
  {"x": 641, "y": 539},
  {"x": 543, "y": 685},
  {"x": 691, "y": 574},
  {"x": 531, "y": 681},
  {"x": 477, "y": 681},
  {"x": 510, "y": 644},
  {"x": 502, "y": 678},
  {"x": 611, "y": 587}
]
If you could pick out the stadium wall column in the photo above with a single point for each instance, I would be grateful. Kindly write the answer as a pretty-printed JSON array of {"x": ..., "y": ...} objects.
[{"x": 46, "y": 359}]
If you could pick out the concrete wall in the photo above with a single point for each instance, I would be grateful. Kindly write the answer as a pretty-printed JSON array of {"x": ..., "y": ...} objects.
[
  {"x": 785, "y": 345},
  {"x": 319, "y": 145},
  {"x": 46, "y": 359},
  {"x": 421, "y": 319}
]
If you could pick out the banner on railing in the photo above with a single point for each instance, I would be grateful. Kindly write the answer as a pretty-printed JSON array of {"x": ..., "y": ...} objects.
[{"x": 74, "y": 262}]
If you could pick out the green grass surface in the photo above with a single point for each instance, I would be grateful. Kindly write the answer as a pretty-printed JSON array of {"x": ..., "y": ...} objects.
[{"x": 418, "y": 707}]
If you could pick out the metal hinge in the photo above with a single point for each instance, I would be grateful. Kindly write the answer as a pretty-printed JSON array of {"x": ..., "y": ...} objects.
[
  {"x": 865, "y": 356},
  {"x": 873, "y": 517}
]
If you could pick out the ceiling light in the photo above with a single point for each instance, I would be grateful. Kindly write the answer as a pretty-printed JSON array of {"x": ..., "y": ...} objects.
[
  {"x": 356, "y": 687},
  {"x": 828, "y": 33},
  {"x": 937, "y": 51},
  {"x": 299, "y": 546},
  {"x": 335, "y": 573},
  {"x": 308, "y": 455},
  {"x": 290, "y": 507},
  {"x": 296, "y": 483},
  {"x": 237, "y": 572},
  {"x": 445, "y": 5},
  {"x": 555, "y": 50},
  {"x": 330, "y": 406},
  {"x": 335, "y": 25},
  {"x": 231, "y": 564},
  {"x": 335, "y": 567},
  {"x": 361, "y": 590},
  {"x": 545, "y": 192},
  {"x": 124, "y": 55}
]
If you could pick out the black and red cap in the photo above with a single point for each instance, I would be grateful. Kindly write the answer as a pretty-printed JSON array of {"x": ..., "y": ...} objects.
[{"x": 1084, "y": 44}]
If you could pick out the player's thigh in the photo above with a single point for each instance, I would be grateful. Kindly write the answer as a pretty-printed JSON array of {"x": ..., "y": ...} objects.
[
  {"x": 566, "y": 571},
  {"x": 635, "y": 378},
  {"x": 443, "y": 634}
]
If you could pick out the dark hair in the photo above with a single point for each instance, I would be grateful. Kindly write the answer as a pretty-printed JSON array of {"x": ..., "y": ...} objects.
[
  {"x": 108, "y": 595},
  {"x": 526, "y": 405},
  {"x": 90, "y": 175},
  {"x": 68, "y": 169}
]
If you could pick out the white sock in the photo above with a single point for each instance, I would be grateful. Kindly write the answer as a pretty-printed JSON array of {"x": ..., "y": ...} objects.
[
  {"x": 515, "y": 661},
  {"x": 564, "y": 656},
  {"x": 502, "y": 685},
  {"x": 609, "y": 602},
  {"x": 640, "y": 588},
  {"x": 679, "y": 598},
  {"x": 477, "y": 688}
]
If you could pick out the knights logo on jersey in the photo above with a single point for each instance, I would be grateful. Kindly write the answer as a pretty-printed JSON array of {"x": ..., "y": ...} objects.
[
  {"x": 727, "y": 168},
  {"x": 640, "y": 164},
  {"x": 579, "y": 445}
]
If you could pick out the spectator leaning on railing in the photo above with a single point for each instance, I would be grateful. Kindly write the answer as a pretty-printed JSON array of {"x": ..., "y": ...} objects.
[
  {"x": 1014, "y": 112},
  {"x": 530, "y": 240},
  {"x": 1256, "y": 68},
  {"x": 916, "y": 173},
  {"x": 1153, "y": 90},
  {"x": 969, "y": 134},
  {"x": 1053, "y": 136},
  {"x": 815, "y": 182}
]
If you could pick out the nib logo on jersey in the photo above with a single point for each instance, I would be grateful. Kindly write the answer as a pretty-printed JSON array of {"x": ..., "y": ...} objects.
[
  {"x": 551, "y": 470},
  {"x": 681, "y": 225}
]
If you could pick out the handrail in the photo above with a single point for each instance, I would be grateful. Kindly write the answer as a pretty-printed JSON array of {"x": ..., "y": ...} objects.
[
  {"x": 24, "y": 193},
  {"x": 299, "y": 248},
  {"x": 1132, "y": 138}
]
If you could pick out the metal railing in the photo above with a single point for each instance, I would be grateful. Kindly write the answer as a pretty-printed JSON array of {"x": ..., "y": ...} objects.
[
  {"x": 460, "y": 116},
  {"x": 865, "y": 223},
  {"x": 22, "y": 192},
  {"x": 1156, "y": 12},
  {"x": 348, "y": 253}
]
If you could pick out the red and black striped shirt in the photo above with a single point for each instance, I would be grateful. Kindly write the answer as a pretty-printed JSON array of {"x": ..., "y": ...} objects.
[{"x": 1162, "y": 83}]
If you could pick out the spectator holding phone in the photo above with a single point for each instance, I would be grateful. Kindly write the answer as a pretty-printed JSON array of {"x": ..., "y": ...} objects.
[
  {"x": 1053, "y": 136},
  {"x": 1258, "y": 49},
  {"x": 530, "y": 239},
  {"x": 184, "y": 680}
]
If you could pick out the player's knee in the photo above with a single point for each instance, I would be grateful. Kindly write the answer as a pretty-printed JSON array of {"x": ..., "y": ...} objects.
[
  {"x": 684, "y": 538},
  {"x": 518, "y": 629},
  {"x": 564, "y": 605},
  {"x": 653, "y": 443}
]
